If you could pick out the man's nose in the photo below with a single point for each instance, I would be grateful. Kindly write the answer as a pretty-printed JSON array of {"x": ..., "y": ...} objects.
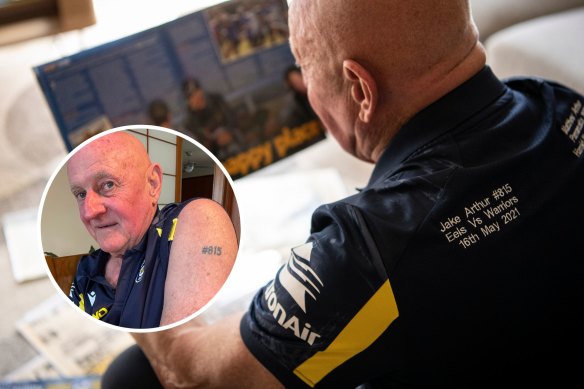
[{"x": 93, "y": 205}]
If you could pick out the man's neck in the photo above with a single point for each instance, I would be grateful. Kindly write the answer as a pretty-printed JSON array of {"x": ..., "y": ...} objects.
[
  {"x": 424, "y": 91},
  {"x": 112, "y": 270}
]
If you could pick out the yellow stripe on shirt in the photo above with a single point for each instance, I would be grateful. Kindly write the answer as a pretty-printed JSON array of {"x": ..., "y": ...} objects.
[
  {"x": 367, "y": 325},
  {"x": 172, "y": 229},
  {"x": 171, "y": 234}
]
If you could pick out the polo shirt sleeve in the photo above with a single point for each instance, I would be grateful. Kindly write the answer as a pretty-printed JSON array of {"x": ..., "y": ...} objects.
[{"x": 315, "y": 324}]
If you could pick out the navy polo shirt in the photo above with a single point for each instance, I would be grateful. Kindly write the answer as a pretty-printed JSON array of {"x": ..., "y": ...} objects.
[
  {"x": 138, "y": 300},
  {"x": 460, "y": 263}
]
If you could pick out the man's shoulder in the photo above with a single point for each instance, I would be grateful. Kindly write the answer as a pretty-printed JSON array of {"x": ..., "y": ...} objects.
[
  {"x": 409, "y": 193},
  {"x": 536, "y": 83},
  {"x": 173, "y": 210},
  {"x": 195, "y": 215},
  {"x": 554, "y": 97},
  {"x": 192, "y": 208}
]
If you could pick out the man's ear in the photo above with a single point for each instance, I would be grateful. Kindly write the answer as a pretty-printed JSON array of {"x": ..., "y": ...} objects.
[
  {"x": 154, "y": 180},
  {"x": 363, "y": 88}
]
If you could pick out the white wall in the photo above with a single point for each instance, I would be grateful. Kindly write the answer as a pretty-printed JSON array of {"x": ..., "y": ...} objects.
[
  {"x": 62, "y": 231},
  {"x": 161, "y": 148}
]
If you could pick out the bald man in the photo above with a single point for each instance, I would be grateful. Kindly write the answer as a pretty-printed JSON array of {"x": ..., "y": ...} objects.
[
  {"x": 459, "y": 264},
  {"x": 152, "y": 267}
]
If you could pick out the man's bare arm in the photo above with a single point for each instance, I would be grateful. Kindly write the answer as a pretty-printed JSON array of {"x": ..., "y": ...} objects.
[
  {"x": 205, "y": 357},
  {"x": 201, "y": 258}
]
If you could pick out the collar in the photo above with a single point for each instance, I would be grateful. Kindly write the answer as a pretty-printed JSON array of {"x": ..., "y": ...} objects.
[
  {"x": 437, "y": 119},
  {"x": 94, "y": 268},
  {"x": 97, "y": 267},
  {"x": 141, "y": 246}
]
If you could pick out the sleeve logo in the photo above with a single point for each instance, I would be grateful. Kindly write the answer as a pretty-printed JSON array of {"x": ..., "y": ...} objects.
[
  {"x": 91, "y": 297},
  {"x": 140, "y": 273},
  {"x": 298, "y": 278}
]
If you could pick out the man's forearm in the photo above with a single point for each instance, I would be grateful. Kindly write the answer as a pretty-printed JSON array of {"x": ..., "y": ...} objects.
[
  {"x": 204, "y": 356},
  {"x": 166, "y": 351}
]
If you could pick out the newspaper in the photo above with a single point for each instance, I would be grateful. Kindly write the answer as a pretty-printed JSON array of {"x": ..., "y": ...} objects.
[
  {"x": 92, "y": 382},
  {"x": 37, "y": 369},
  {"x": 20, "y": 230},
  {"x": 72, "y": 344},
  {"x": 40, "y": 373}
]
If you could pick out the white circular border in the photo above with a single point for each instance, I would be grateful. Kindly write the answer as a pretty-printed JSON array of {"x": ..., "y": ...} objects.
[{"x": 39, "y": 227}]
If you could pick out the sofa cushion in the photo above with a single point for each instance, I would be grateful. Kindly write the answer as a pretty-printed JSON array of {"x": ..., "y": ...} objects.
[
  {"x": 494, "y": 15},
  {"x": 551, "y": 47}
]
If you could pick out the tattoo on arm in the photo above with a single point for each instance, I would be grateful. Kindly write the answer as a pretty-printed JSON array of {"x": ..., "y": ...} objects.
[{"x": 211, "y": 250}]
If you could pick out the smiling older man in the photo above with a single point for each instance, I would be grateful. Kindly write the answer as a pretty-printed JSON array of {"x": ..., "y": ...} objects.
[{"x": 153, "y": 267}]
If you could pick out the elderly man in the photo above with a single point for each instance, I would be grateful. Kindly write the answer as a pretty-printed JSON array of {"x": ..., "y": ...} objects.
[
  {"x": 458, "y": 265},
  {"x": 153, "y": 267}
]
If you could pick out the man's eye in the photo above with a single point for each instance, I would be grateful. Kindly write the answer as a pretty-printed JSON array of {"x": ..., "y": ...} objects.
[
  {"x": 108, "y": 185},
  {"x": 80, "y": 195}
]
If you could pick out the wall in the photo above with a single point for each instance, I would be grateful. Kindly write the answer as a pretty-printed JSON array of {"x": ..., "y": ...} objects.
[
  {"x": 162, "y": 148},
  {"x": 61, "y": 229}
]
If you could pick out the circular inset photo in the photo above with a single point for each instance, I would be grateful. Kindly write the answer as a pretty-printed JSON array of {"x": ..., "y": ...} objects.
[{"x": 140, "y": 227}]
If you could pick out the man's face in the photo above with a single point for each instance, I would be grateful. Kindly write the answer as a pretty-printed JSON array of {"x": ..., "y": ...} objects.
[
  {"x": 113, "y": 199},
  {"x": 197, "y": 100}
]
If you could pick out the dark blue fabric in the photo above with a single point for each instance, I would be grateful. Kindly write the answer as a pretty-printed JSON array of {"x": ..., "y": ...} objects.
[
  {"x": 139, "y": 298},
  {"x": 130, "y": 370},
  {"x": 474, "y": 214}
]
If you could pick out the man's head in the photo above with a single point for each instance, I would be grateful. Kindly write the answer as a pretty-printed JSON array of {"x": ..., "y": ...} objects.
[
  {"x": 159, "y": 113},
  {"x": 369, "y": 66},
  {"x": 195, "y": 95},
  {"x": 117, "y": 190}
]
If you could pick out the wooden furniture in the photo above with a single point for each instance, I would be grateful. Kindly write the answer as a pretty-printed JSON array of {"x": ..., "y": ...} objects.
[
  {"x": 63, "y": 269},
  {"x": 201, "y": 186},
  {"x": 215, "y": 187},
  {"x": 27, "y": 19}
]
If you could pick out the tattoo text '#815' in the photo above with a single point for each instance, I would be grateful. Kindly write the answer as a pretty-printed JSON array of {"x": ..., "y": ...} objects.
[{"x": 211, "y": 250}]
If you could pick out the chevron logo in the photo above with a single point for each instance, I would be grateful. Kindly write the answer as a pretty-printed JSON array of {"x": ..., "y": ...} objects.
[{"x": 298, "y": 278}]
